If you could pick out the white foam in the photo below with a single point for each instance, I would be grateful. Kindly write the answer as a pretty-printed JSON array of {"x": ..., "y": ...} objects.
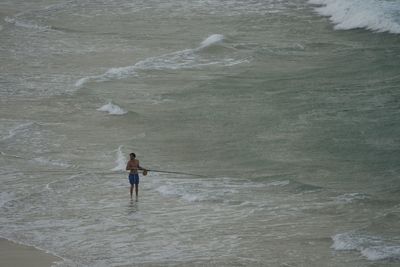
[
  {"x": 382, "y": 253},
  {"x": 120, "y": 160},
  {"x": 212, "y": 40},
  {"x": 112, "y": 109},
  {"x": 51, "y": 162},
  {"x": 374, "y": 15},
  {"x": 349, "y": 198},
  {"x": 118, "y": 73},
  {"x": 26, "y": 24},
  {"x": 346, "y": 241},
  {"x": 79, "y": 83},
  {"x": 183, "y": 59},
  {"x": 15, "y": 130},
  {"x": 232, "y": 62},
  {"x": 178, "y": 191},
  {"x": 279, "y": 183},
  {"x": 198, "y": 191},
  {"x": 166, "y": 190},
  {"x": 372, "y": 247}
]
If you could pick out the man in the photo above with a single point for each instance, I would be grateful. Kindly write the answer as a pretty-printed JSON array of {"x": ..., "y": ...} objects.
[{"x": 133, "y": 166}]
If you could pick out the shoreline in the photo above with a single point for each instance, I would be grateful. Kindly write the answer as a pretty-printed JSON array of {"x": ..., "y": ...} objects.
[{"x": 14, "y": 254}]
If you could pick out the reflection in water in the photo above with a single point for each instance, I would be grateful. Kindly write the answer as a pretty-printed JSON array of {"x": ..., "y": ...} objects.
[{"x": 133, "y": 206}]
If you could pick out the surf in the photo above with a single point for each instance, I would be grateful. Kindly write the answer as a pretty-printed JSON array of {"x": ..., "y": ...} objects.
[
  {"x": 211, "y": 40},
  {"x": 112, "y": 109},
  {"x": 374, "y": 248},
  {"x": 182, "y": 59},
  {"x": 373, "y": 15},
  {"x": 120, "y": 160},
  {"x": 26, "y": 24}
]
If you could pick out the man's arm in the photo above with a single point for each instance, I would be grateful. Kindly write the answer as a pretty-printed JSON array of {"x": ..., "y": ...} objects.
[{"x": 139, "y": 167}]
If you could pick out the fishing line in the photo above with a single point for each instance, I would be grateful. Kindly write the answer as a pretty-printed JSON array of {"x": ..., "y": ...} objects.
[
  {"x": 69, "y": 171},
  {"x": 182, "y": 173},
  {"x": 60, "y": 172}
]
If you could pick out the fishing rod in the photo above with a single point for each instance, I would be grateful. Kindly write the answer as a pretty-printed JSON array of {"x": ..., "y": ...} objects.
[
  {"x": 69, "y": 171},
  {"x": 82, "y": 172},
  {"x": 145, "y": 171},
  {"x": 171, "y": 172}
]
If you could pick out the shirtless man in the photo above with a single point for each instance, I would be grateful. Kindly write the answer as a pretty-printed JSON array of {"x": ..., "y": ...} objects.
[{"x": 133, "y": 166}]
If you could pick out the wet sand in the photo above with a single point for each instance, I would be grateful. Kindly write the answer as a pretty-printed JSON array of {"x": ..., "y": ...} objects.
[{"x": 16, "y": 255}]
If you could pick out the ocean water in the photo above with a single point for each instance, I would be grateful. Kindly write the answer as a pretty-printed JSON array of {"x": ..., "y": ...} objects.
[{"x": 287, "y": 113}]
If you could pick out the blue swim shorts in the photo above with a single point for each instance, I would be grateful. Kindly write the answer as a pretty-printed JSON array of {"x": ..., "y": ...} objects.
[{"x": 134, "y": 178}]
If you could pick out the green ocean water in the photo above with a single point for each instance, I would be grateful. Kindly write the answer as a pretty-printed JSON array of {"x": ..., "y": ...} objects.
[{"x": 292, "y": 120}]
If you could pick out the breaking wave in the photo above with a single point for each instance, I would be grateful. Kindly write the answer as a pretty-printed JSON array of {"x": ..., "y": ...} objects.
[
  {"x": 374, "y": 15},
  {"x": 372, "y": 247},
  {"x": 183, "y": 59},
  {"x": 112, "y": 109},
  {"x": 120, "y": 160}
]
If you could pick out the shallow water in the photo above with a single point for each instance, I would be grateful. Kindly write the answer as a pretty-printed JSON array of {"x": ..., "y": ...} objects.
[{"x": 287, "y": 108}]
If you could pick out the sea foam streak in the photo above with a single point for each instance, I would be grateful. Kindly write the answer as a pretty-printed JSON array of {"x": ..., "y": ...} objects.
[
  {"x": 120, "y": 160},
  {"x": 51, "y": 162},
  {"x": 211, "y": 40},
  {"x": 371, "y": 247},
  {"x": 379, "y": 16},
  {"x": 212, "y": 189},
  {"x": 183, "y": 59},
  {"x": 6, "y": 197},
  {"x": 15, "y": 130},
  {"x": 26, "y": 24},
  {"x": 349, "y": 198},
  {"x": 112, "y": 109}
]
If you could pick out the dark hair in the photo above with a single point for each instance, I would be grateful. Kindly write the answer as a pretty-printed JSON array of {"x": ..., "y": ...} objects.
[{"x": 132, "y": 154}]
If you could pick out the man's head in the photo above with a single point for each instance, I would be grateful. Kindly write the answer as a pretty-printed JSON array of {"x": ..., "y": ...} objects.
[{"x": 132, "y": 155}]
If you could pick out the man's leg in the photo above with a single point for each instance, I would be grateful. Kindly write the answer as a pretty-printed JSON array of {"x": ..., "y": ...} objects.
[
  {"x": 131, "y": 190},
  {"x": 136, "y": 184}
]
